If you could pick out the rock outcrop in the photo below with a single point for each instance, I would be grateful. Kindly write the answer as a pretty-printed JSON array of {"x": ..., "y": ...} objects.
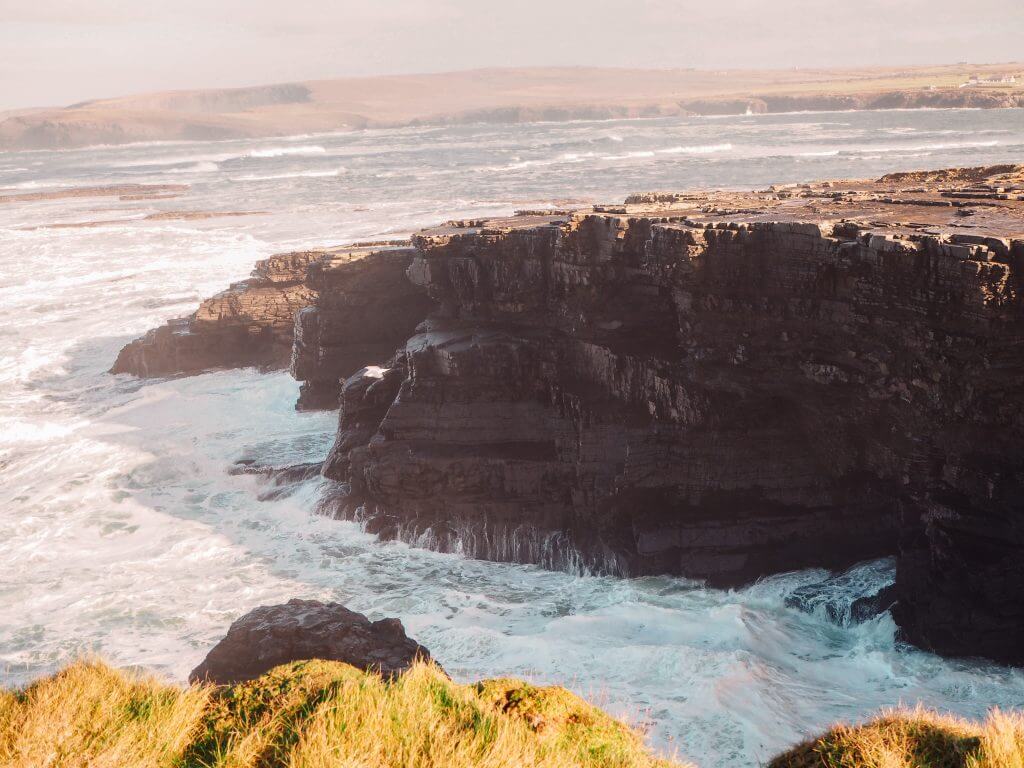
[
  {"x": 272, "y": 635},
  {"x": 249, "y": 324},
  {"x": 323, "y": 313},
  {"x": 721, "y": 385}
]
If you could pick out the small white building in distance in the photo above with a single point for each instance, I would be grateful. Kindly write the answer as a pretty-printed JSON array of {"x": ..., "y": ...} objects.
[{"x": 975, "y": 81}]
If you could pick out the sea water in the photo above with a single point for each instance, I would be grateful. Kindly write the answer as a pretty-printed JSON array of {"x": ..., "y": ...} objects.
[{"x": 123, "y": 533}]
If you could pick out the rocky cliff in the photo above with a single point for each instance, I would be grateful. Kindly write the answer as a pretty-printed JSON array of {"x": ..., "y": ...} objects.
[
  {"x": 324, "y": 313},
  {"x": 721, "y": 385},
  {"x": 249, "y": 324}
]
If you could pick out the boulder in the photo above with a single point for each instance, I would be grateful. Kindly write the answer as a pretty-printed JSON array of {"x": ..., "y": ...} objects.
[
  {"x": 866, "y": 608},
  {"x": 307, "y": 629}
]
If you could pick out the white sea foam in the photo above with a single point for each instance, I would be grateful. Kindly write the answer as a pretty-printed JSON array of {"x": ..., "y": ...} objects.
[
  {"x": 202, "y": 167},
  {"x": 121, "y": 531},
  {"x": 920, "y": 147},
  {"x": 637, "y": 154},
  {"x": 700, "y": 149},
  {"x": 295, "y": 175},
  {"x": 204, "y": 160},
  {"x": 304, "y": 151}
]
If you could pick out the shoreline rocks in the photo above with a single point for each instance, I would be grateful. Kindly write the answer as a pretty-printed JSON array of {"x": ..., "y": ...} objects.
[
  {"x": 249, "y": 324},
  {"x": 301, "y": 630},
  {"x": 323, "y": 314}
]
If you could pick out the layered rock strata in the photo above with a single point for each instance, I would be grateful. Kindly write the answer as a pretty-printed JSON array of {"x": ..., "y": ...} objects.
[
  {"x": 323, "y": 313},
  {"x": 363, "y": 308},
  {"x": 249, "y": 324},
  {"x": 720, "y": 385}
]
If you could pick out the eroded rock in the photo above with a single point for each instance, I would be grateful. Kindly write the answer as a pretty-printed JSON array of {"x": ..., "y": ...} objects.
[
  {"x": 307, "y": 629},
  {"x": 363, "y": 309},
  {"x": 249, "y": 324},
  {"x": 724, "y": 385},
  {"x": 324, "y": 314}
]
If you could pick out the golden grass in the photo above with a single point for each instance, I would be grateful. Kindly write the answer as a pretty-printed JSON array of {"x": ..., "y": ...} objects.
[
  {"x": 915, "y": 738},
  {"x": 91, "y": 715},
  {"x": 322, "y": 714},
  {"x": 313, "y": 714}
]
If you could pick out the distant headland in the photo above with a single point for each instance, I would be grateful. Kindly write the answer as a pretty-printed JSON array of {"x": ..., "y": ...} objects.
[{"x": 502, "y": 96}]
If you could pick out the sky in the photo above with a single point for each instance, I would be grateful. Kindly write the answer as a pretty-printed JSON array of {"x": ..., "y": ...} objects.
[{"x": 56, "y": 52}]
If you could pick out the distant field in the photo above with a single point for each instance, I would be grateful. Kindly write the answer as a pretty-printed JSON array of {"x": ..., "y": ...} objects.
[{"x": 497, "y": 96}]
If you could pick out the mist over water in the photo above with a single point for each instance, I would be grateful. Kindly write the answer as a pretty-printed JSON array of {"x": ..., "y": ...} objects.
[{"x": 121, "y": 531}]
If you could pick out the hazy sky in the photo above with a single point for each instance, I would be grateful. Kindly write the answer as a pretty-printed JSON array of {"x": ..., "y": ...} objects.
[{"x": 61, "y": 51}]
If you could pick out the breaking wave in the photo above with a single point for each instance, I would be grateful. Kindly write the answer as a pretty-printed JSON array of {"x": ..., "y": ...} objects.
[
  {"x": 296, "y": 175},
  {"x": 701, "y": 149},
  {"x": 304, "y": 151}
]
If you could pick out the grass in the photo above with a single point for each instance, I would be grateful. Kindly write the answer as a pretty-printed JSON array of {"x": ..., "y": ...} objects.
[
  {"x": 323, "y": 714},
  {"x": 915, "y": 739},
  {"x": 312, "y": 714}
]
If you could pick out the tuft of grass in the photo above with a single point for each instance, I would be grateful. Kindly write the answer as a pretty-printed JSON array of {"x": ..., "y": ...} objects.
[
  {"x": 91, "y": 715},
  {"x": 311, "y": 714},
  {"x": 916, "y": 738}
]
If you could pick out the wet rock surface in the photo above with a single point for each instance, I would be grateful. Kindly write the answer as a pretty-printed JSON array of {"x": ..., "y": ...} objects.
[
  {"x": 866, "y": 608},
  {"x": 307, "y": 629}
]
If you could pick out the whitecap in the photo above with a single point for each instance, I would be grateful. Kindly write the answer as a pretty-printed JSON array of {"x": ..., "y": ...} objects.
[
  {"x": 303, "y": 151},
  {"x": 645, "y": 153},
  {"x": 699, "y": 149},
  {"x": 921, "y": 147},
  {"x": 205, "y": 166},
  {"x": 296, "y": 175}
]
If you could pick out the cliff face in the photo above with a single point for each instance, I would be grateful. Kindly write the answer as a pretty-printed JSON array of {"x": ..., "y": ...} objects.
[
  {"x": 364, "y": 307},
  {"x": 721, "y": 385},
  {"x": 648, "y": 389},
  {"x": 720, "y": 402}
]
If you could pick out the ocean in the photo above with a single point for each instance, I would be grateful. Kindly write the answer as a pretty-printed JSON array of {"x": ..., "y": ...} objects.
[{"x": 123, "y": 533}]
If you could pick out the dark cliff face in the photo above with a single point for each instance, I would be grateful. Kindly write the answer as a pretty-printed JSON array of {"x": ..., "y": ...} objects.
[
  {"x": 364, "y": 307},
  {"x": 720, "y": 385},
  {"x": 667, "y": 397}
]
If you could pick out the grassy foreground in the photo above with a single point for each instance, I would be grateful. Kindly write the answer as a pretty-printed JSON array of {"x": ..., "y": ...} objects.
[
  {"x": 915, "y": 739},
  {"x": 311, "y": 714},
  {"x": 320, "y": 714}
]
